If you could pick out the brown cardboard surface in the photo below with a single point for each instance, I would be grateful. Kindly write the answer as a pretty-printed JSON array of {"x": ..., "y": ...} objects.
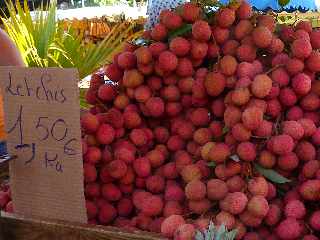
[{"x": 42, "y": 119}]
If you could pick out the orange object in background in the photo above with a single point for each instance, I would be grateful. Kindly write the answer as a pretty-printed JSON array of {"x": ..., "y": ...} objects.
[{"x": 2, "y": 129}]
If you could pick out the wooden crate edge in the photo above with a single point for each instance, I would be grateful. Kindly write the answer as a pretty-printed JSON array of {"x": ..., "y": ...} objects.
[{"x": 19, "y": 228}]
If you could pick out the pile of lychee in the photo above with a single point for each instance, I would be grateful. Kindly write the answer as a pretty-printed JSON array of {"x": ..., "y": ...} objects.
[
  {"x": 219, "y": 123},
  {"x": 5, "y": 198}
]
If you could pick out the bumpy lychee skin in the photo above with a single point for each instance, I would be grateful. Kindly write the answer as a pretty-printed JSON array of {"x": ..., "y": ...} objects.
[
  {"x": 313, "y": 62},
  {"x": 89, "y": 122},
  {"x": 168, "y": 61},
  {"x": 244, "y": 11},
  {"x": 258, "y": 186},
  {"x": 159, "y": 32},
  {"x": 246, "y": 53},
  {"x": 310, "y": 237},
  {"x": 142, "y": 167},
  {"x": 220, "y": 35},
  {"x": 315, "y": 39},
  {"x": 301, "y": 84},
  {"x": 265, "y": 129},
  {"x": 171, "y": 224},
  {"x": 314, "y": 220},
  {"x": 199, "y": 207},
  {"x": 273, "y": 216},
  {"x": 185, "y": 232},
  {"x": 247, "y": 151},
  {"x": 243, "y": 29},
  {"x": 215, "y": 83},
  {"x": 282, "y": 144},
  {"x": 294, "y": 66},
  {"x": 288, "y": 162},
  {"x": 258, "y": 206},
  {"x": 132, "y": 78},
  {"x": 155, "y": 105},
  {"x": 228, "y": 48},
  {"x": 228, "y": 65},
  {"x": 117, "y": 169},
  {"x": 267, "y": 21},
  {"x": 241, "y": 133},
  {"x": 305, "y": 151},
  {"x": 107, "y": 213},
  {"x": 127, "y": 60},
  {"x": 293, "y": 128},
  {"x": 261, "y": 85},
  {"x": 191, "y": 172},
  {"x": 226, "y": 17},
  {"x": 199, "y": 50},
  {"x": 235, "y": 184},
  {"x": 195, "y": 190},
  {"x": 234, "y": 203},
  {"x": 295, "y": 209},
  {"x": 219, "y": 152},
  {"x": 152, "y": 206},
  {"x": 304, "y": 25},
  {"x": 289, "y": 228},
  {"x": 90, "y": 173},
  {"x": 201, "y": 31},
  {"x": 180, "y": 46},
  {"x": 190, "y": 12},
  {"x": 262, "y": 36},
  {"x": 310, "y": 190},
  {"x": 249, "y": 220},
  {"x": 252, "y": 117},
  {"x": 301, "y": 48},
  {"x": 308, "y": 126},
  {"x": 216, "y": 189},
  {"x": 171, "y": 20},
  {"x": 226, "y": 219}
]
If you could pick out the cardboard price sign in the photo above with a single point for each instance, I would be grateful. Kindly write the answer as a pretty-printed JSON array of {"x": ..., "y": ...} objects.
[{"x": 42, "y": 119}]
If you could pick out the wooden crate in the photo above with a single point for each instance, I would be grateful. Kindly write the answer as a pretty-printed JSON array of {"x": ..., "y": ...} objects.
[{"x": 19, "y": 228}]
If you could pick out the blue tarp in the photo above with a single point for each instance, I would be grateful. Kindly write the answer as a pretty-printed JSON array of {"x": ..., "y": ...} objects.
[{"x": 294, "y": 5}]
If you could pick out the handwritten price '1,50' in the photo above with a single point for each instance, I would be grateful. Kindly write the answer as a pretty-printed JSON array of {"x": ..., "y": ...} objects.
[{"x": 45, "y": 132}]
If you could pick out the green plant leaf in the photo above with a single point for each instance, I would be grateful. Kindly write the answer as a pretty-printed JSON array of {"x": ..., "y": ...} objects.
[
  {"x": 199, "y": 235},
  {"x": 271, "y": 175},
  {"x": 82, "y": 96},
  {"x": 184, "y": 29},
  {"x": 225, "y": 130},
  {"x": 283, "y": 3},
  {"x": 211, "y": 164}
]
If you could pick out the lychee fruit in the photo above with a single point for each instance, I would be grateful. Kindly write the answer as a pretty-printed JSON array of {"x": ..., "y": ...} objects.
[
  {"x": 171, "y": 224},
  {"x": 314, "y": 220},
  {"x": 168, "y": 61},
  {"x": 180, "y": 46},
  {"x": 262, "y": 36},
  {"x": 258, "y": 186},
  {"x": 215, "y": 83},
  {"x": 261, "y": 85},
  {"x": 228, "y": 65},
  {"x": 258, "y": 206},
  {"x": 301, "y": 48},
  {"x": 226, "y": 17},
  {"x": 201, "y": 31},
  {"x": 289, "y": 228},
  {"x": 310, "y": 190},
  {"x": 195, "y": 190},
  {"x": 152, "y": 206}
]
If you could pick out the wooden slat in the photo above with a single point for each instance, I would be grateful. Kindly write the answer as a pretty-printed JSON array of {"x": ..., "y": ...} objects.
[{"x": 18, "y": 228}]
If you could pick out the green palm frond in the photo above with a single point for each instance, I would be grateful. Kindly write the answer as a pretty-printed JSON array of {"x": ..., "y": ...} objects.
[
  {"x": 214, "y": 233},
  {"x": 43, "y": 42}
]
